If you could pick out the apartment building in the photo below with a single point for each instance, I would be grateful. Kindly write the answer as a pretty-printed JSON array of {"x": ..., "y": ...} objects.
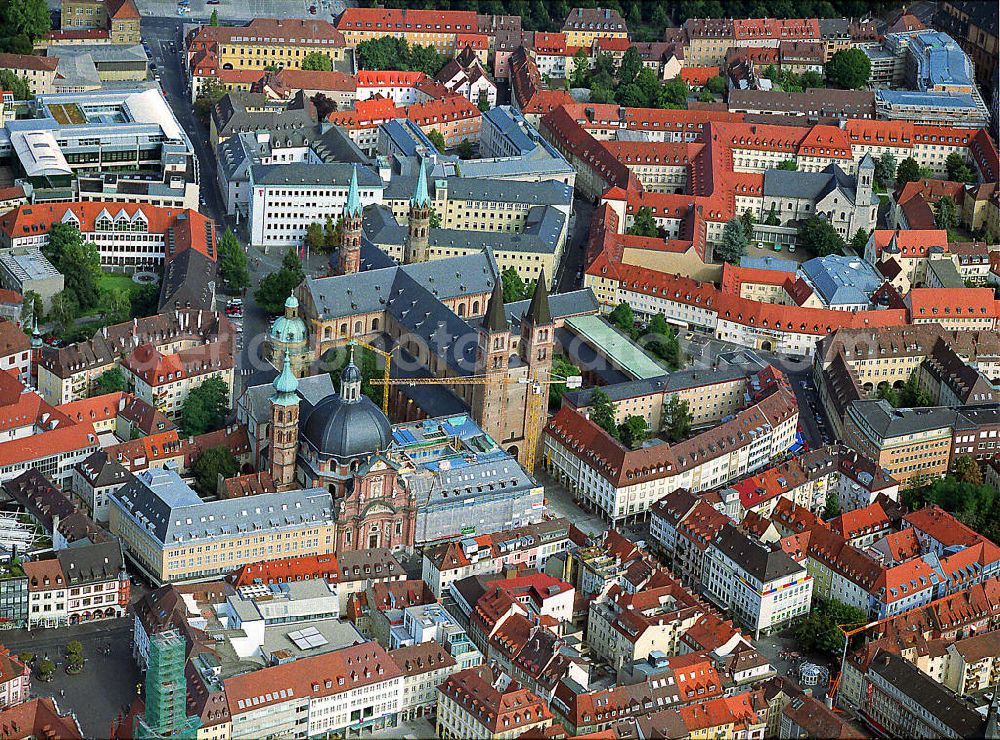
[
  {"x": 68, "y": 373},
  {"x": 484, "y": 703},
  {"x": 444, "y": 30},
  {"x": 620, "y": 483},
  {"x": 902, "y": 700},
  {"x": 424, "y": 666},
  {"x": 708, "y": 39},
  {"x": 266, "y": 42},
  {"x": 584, "y": 26},
  {"x": 624, "y": 627},
  {"x": 354, "y": 689},
  {"x": 120, "y": 145},
  {"x": 40, "y": 72},
  {"x": 15, "y": 680},
  {"x": 165, "y": 380},
  {"x": 761, "y": 585},
  {"x": 171, "y": 534},
  {"x": 530, "y": 547},
  {"x": 906, "y": 442}
]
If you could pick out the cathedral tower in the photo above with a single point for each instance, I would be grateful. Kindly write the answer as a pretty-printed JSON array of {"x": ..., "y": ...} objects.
[
  {"x": 349, "y": 256},
  {"x": 284, "y": 433},
  {"x": 418, "y": 228},
  {"x": 489, "y": 404}
]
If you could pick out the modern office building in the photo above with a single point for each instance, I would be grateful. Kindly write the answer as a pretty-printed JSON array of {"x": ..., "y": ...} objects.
[{"x": 120, "y": 145}]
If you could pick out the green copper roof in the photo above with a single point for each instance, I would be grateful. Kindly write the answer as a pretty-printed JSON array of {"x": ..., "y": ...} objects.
[
  {"x": 286, "y": 385},
  {"x": 421, "y": 197},
  {"x": 353, "y": 207}
]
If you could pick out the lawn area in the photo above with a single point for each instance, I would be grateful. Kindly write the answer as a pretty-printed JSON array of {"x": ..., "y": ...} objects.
[{"x": 117, "y": 281}]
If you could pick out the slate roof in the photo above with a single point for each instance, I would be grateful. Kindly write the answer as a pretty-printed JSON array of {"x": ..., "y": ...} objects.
[
  {"x": 574, "y": 303},
  {"x": 306, "y": 173},
  {"x": 756, "y": 558},
  {"x": 842, "y": 280},
  {"x": 544, "y": 193},
  {"x": 91, "y": 563},
  {"x": 188, "y": 282},
  {"x": 925, "y": 692},
  {"x": 172, "y": 512}
]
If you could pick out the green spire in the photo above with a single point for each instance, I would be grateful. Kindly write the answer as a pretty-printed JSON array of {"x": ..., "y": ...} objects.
[
  {"x": 353, "y": 207},
  {"x": 421, "y": 197},
  {"x": 286, "y": 385}
]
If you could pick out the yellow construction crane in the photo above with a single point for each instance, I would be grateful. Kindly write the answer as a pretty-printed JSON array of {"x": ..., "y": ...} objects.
[
  {"x": 537, "y": 400},
  {"x": 387, "y": 356}
]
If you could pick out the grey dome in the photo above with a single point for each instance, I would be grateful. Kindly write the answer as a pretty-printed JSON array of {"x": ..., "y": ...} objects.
[
  {"x": 336, "y": 427},
  {"x": 350, "y": 374}
]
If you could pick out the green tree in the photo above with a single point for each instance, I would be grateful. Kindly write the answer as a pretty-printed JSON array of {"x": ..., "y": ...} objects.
[
  {"x": 110, "y": 381},
  {"x": 561, "y": 368},
  {"x": 435, "y": 219},
  {"x": 749, "y": 222},
  {"x": 514, "y": 288},
  {"x": 887, "y": 393},
  {"x": 30, "y": 18},
  {"x": 293, "y": 264},
  {"x": 214, "y": 19},
  {"x": 205, "y": 407},
  {"x": 705, "y": 96},
  {"x": 315, "y": 236},
  {"x": 908, "y": 171},
  {"x": 384, "y": 52},
  {"x": 484, "y": 102},
  {"x": 580, "y": 76},
  {"x": 425, "y": 59},
  {"x": 975, "y": 505},
  {"x": 233, "y": 263},
  {"x": 959, "y": 169},
  {"x": 210, "y": 93},
  {"x": 859, "y": 241},
  {"x": 819, "y": 630},
  {"x": 911, "y": 395},
  {"x": 437, "y": 140},
  {"x": 213, "y": 462},
  {"x": 117, "y": 305},
  {"x": 946, "y": 214},
  {"x": 32, "y": 308},
  {"x": 633, "y": 431},
  {"x": 45, "y": 669},
  {"x": 676, "y": 420},
  {"x": 465, "y": 150},
  {"x": 734, "y": 242},
  {"x": 18, "y": 86},
  {"x": 623, "y": 317},
  {"x": 74, "y": 647},
  {"x": 80, "y": 264},
  {"x": 602, "y": 412},
  {"x": 317, "y": 61},
  {"x": 716, "y": 85},
  {"x": 885, "y": 170},
  {"x": 818, "y": 236},
  {"x": 832, "y": 506},
  {"x": 145, "y": 299},
  {"x": 630, "y": 66},
  {"x": 333, "y": 233},
  {"x": 64, "y": 310},
  {"x": 674, "y": 94},
  {"x": 644, "y": 223},
  {"x": 966, "y": 470},
  {"x": 772, "y": 217},
  {"x": 811, "y": 80},
  {"x": 849, "y": 69},
  {"x": 789, "y": 165},
  {"x": 276, "y": 286}
]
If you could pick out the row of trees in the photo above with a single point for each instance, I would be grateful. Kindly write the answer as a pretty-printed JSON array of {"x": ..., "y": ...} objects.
[
  {"x": 22, "y": 22},
  {"x": 275, "y": 288},
  {"x": 205, "y": 407},
  {"x": 233, "y": 263},
  {"x": 963, "y": 493},
  {"x": 630, "y": 83},
  {"x": 387, "y": 52},
  {"x": 910, "y": 395},
  {"x": 819, "y": 631},
  {"x": 658, "y": 337},
  {"x": 633, "y": 431}
]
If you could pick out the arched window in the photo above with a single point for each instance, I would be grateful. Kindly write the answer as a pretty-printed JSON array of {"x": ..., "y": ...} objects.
[
  {"x": 327, "y": 333},
  {"x": 374, "y": 324},
  {"x": 357, "y": 327},
  {"x": 475, "y": 308}
]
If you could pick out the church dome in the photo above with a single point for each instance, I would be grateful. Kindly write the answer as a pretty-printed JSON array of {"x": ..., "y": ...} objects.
[
  {"x": 347, "y": 429},
  {"x": 288, "y": 330}
]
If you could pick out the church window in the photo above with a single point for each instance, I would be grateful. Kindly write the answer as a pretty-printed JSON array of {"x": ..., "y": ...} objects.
[
  {"x": 357, "y": 327},
  {"x": 327, "y": 333}
]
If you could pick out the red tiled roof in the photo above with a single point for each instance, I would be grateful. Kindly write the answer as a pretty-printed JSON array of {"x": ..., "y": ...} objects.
[
  {"x": 391, "y": 20},
  {"x": 698, "y": 76}
]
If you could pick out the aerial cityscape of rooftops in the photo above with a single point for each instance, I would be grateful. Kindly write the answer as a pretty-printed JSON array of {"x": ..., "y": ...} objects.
[{"x": 605, "y": 369}]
